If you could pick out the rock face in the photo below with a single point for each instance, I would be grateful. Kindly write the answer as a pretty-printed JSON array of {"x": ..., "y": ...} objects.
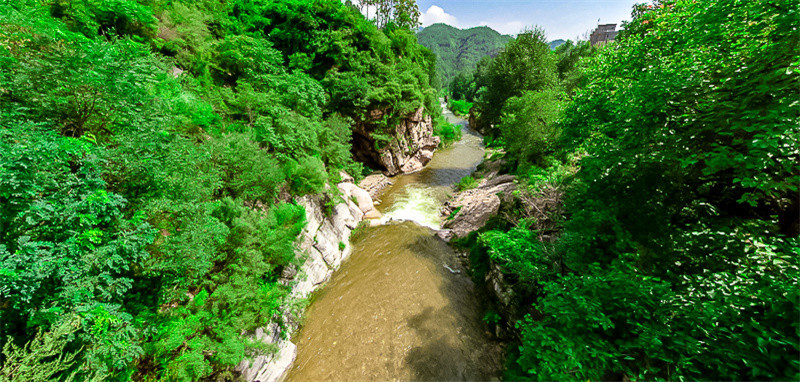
[
  {"x": 474, "y": 122},
  {"x": 411, "y": 146},
  {"x": 326, "y": 243},
  {"x": 375, "y": 184},
  {"x": 473, "y": 208}
]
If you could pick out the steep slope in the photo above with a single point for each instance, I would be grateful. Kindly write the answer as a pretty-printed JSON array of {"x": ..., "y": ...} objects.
[{"x": 459, "y": 49}]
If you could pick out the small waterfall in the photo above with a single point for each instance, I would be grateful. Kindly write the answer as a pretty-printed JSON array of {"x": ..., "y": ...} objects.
[{"x": 416, "y": 204}]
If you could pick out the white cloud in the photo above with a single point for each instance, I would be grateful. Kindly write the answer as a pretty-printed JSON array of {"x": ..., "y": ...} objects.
[
  {"x": 368, "y": 11},
  {"x": 436, "y": 14},
  {"x": 508, "y": 27}
]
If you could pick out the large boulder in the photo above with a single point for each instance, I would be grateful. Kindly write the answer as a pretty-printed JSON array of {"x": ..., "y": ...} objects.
[
  {"x": 471, "y": 209},
  {"x": 375, "y": 184},
  {"x": 362, "y": 198}
]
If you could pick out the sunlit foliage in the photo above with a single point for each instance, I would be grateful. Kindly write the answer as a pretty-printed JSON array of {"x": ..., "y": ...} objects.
[
  {"x": 150, "y": 153},
  {"x": 677, "y": 252}
]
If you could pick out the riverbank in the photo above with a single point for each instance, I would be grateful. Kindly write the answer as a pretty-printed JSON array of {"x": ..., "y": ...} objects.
[{"x": 325, "y": 241}]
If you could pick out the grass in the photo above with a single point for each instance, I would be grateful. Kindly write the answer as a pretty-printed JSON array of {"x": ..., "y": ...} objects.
[
  {"x": 466, "y": 183},
  {"x": 454, "y": 213}
]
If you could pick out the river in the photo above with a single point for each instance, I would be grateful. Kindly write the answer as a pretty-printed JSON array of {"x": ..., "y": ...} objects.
[{"x": 402, "y": 307}]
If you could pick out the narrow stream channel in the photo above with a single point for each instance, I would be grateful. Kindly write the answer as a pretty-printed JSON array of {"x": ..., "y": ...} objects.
[{"x": 394, "y": 311}]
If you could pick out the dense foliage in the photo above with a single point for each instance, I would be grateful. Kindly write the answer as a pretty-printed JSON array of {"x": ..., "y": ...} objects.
[
  {"x": 149, "y": 156},
  {"x": 457, "y": 50},
  {"x": 675, "y": 254},
  {"x": 446, "y": 131},
  {"x": 470, "y": 84},
  {"x": 459, "y": 107},
  {"x": 524, "y": 68}
]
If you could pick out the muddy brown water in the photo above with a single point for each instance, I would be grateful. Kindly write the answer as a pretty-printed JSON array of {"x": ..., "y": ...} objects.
[{"x": 394, "y": 311}]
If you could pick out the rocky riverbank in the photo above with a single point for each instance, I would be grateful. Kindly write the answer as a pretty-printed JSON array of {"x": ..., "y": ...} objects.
[
  {"x": 326, "y": 243},
  {"x": 469, "y": 210}
]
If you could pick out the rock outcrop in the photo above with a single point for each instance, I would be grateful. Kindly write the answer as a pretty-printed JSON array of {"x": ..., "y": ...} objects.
[
  {"x": 375, "y": 184},
  {"x": 411, "y": 146},
  {"x": 325, "y": 241},
  {"x": 469, "y": 210}
]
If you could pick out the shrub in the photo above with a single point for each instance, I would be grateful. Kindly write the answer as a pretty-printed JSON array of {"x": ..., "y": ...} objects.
[
  {"x": 459, "y": 107},
  {"x": 447, "y": 131},
  {"x": 466, "y": 183}
]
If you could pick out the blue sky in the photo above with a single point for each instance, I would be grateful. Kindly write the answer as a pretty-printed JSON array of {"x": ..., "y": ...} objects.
[{"x": 565, "y": 19}]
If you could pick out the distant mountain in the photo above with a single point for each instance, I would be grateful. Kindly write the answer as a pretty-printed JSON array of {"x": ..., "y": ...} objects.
[
  {"x": 555, "y": 43},
  {"x": 459, "y": 49}
]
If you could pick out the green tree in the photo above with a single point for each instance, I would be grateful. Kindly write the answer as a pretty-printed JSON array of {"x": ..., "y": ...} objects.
[
  {"x": 44, "y": 358},
  {"x": 526, "y": 64},
  {"x": 569, "y": 54},
  {"x": 528, "y": 127}
]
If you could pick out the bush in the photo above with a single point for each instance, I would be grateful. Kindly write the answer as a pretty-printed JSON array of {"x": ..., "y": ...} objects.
[
  {"x": 459, "y": 107},
  {"x": 447, "y": 131},
  {"x": 466, "y": 183}
]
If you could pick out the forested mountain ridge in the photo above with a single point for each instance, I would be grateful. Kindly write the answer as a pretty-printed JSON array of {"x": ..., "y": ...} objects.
[
  {"x": 151, "y": 152},
  {"x": 556, "y": 43},
  {"x": 459, "y": 49}
]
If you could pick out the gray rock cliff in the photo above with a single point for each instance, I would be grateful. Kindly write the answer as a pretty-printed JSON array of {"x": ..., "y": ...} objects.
[{"x": 410, "y": 149}]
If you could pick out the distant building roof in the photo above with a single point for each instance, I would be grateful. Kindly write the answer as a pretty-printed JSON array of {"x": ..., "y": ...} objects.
[{"x": 603, "y": 34}]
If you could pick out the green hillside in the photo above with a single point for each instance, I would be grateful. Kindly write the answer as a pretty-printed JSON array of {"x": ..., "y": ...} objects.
[
  {"x": 458, "y": 49},
  {"x": 556, "y": 43}
]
